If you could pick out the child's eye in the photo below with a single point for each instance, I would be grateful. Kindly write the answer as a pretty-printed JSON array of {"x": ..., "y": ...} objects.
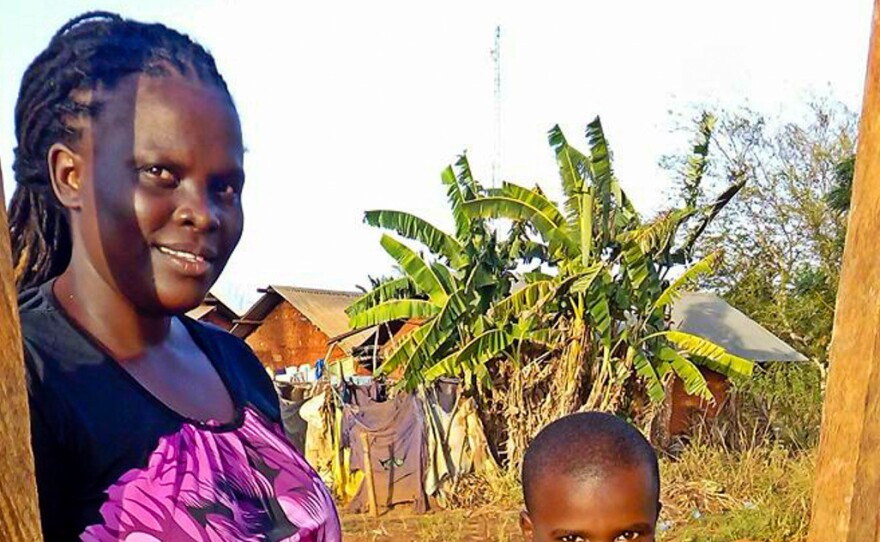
[
  {"x": 572, "y": 538},
  {"x": 627, "y": 535}
]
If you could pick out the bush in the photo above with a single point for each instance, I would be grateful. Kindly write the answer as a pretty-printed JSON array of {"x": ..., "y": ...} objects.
[
  {"x": 781, "y": 405},
  {"x": 715, "y": 495}
]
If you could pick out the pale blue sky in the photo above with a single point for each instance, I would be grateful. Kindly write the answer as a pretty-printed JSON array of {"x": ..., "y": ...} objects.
[{"x": 352, "y": 105}]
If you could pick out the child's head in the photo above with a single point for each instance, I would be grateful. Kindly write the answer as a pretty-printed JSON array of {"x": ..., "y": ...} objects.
[
  {"x": 590, "y": 477},
  {"x": 128, "y": 165}
]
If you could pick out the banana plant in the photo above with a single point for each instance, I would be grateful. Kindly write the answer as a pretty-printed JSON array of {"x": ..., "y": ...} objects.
[
  {"x": 450, "y": 289},
  {"x": 608, "y": 286}
]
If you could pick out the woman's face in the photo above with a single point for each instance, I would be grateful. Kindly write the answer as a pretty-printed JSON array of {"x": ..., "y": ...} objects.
[{"x": 159, "y": 209}]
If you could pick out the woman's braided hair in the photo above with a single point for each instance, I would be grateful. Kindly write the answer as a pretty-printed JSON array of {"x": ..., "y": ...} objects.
[{"x": 92, "y": 51}]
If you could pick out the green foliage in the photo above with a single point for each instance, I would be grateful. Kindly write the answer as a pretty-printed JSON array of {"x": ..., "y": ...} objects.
[
  {"x": 394, "y": 309},
  {"x": 600, "y": 236},
  {"x": 840, "y": 195},
  {"x": 383, "y": 291},
  {"x": 766, "y": 495},
  {"x": 413, "y": 227},
  {"x": 605, "y": 299},
  {"x": 780, "y": 405},
  {"x": 450, "y": 290},
  {"x": 783, "y": 235}
]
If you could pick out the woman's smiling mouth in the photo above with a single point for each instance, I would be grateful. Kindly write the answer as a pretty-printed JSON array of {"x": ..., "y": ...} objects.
[{"x": 190, "y": 262}]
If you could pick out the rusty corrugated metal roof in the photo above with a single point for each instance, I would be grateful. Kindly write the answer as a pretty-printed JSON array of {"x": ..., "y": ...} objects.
[
  {"x": 210, "y": 303},
  {"x": 323, "y": 308},
  {"x": 326, "y": 310}
]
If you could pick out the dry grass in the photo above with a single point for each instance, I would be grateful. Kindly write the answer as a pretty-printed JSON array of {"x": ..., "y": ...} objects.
[
  {"x": 489, "y": 523},
  {"x": 709, "y": 495},
  {"x": 747, "y": 475}
]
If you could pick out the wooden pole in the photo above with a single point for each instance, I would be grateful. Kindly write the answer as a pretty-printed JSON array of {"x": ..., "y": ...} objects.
[
  {"x": 846, "y": 500},
  {"x": 368, "y": 471},
  {"x": 19, "y": 513}
]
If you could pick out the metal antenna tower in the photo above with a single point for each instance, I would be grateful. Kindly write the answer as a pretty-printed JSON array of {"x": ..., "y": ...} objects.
[{"x": 496, "y": 60}]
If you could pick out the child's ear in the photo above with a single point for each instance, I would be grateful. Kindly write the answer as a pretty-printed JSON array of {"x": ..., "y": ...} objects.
[
  {"x": 65, "y": 172},
  {"x": 525, "y": 524}
]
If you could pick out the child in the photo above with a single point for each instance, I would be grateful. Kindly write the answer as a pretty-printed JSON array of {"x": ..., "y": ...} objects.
[
  {"x": 146, "y": 425},
  {"x": 590, "y": 477}
]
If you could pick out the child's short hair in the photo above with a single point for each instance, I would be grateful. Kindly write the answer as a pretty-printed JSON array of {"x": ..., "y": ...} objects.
[{"x": 586, "y": 445}]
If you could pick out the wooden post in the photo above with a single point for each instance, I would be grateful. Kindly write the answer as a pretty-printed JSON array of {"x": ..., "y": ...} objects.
[
  {"x": 19, "y": 513},
  {"x": 846, "y": 500},
  {"x": 368, "y": 472}
]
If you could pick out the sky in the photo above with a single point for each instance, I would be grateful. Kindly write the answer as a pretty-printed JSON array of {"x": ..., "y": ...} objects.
[{"x": 348, "y": 106}]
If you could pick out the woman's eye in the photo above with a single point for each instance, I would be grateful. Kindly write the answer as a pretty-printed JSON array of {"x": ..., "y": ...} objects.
[
  {"x": 227, "y": 190},
  {"x": 627, "y": 535},
  {"x": 160, "y": 173}
]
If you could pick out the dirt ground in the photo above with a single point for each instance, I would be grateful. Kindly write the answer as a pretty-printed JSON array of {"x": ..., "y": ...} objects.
[{"x": 485, "y": 524}]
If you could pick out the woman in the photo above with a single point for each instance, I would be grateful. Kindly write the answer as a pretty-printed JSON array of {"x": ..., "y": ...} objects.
[{"x": 146, "y": 425}]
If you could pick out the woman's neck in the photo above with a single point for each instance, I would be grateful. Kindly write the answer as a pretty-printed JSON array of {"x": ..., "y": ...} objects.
[{"x": 108, "y": 315}]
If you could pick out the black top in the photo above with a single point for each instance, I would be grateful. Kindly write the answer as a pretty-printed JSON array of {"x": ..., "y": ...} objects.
[{"x": 92, "y": 422}]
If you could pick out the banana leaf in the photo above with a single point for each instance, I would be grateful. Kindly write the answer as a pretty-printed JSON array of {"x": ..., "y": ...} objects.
[
  {"x": 413, "y": 227},
  {"x": 533, "y": 197},
  {"x": 674, "y": 290},
  {"x": 573, "y": 169},
  {"x": 636, "y": 265},
  {"x": 395, "y": 309},
  {"x": 404, "y": 350},
  {"x": 504, "y": 207},
  {"x": 474, "y": 354},
  {"x": 466, "y": 179},
  {"x": 717, "y": 358},
  {"x": 456, "y": 198},
  {"x": 394, "y": 289},
  {"x": 659, "y": 235},
  {"x": 693, "y": 379},
  {"x": 418, "y": 271},
  {"x": 523, "y": 300},
  {"x": 600, "y": 315},
  {"x": 709, "y": 212},
  {"x": 698, "y": 161},
  {"x": 649, "y": 375},
  {"x": 600, "y": 165},
  {"x": 439, "y": 330},
  {"x": 584, "y": 280}
]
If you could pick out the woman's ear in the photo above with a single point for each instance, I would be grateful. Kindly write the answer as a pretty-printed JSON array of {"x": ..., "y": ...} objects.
[
  {"x": 65, "y": 173},
  {"x": 525, "y": 524}
]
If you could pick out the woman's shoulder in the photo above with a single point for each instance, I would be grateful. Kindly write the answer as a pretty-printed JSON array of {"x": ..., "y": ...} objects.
[{"x": 48, "y": 336}]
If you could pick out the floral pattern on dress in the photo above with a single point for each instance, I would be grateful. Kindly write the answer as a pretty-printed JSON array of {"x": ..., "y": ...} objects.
[{"x": 204, "y": 485}]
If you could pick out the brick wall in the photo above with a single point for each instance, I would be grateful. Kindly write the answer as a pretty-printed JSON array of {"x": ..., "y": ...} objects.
[{"x": 287, "y": 338}]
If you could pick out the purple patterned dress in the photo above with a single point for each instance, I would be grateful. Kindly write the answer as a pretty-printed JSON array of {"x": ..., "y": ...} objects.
[
  {"x": 209, "y": 486},
  {"x": 113, "y": 463}
]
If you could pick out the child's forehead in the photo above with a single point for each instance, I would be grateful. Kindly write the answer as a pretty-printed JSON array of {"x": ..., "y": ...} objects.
[
  {"x": 623, "y": 492},
  {"x": 594, "y": 480}
]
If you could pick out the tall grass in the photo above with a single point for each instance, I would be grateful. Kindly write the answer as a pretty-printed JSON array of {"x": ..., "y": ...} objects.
[{"x": 748, "y": 474}]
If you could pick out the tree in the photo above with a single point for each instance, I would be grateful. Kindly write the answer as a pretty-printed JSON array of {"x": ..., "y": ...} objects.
[{"x": 783, "y": 235}]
